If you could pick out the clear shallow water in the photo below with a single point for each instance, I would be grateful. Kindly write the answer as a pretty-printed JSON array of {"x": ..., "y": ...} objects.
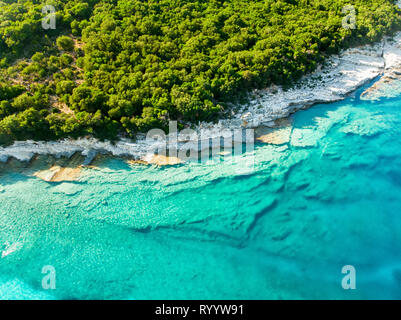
[{"x": 283, "y": 230}]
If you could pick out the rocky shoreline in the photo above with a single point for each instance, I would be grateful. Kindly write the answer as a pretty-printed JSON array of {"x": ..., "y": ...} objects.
[{"x": 340, "y": 76}]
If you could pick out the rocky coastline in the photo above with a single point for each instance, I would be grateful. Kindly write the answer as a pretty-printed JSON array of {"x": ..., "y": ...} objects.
[{"x": 266, "y": 113}]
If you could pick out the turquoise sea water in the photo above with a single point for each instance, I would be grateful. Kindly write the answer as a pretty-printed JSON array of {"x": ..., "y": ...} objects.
[{"x": 220, "y": 230}]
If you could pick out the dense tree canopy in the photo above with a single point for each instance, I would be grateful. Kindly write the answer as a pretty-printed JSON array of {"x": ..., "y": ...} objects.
[{"x": 123, "y": 66}]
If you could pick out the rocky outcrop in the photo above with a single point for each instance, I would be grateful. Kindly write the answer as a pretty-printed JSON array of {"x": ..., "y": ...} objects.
[{"x": 59, "y": 174}]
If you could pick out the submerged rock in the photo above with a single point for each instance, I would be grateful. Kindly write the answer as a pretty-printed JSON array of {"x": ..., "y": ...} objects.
[
  {"x": 157, "y": 159},
  {"x": 56, "y": 170},
  {"x": 305, "y": 137},
  {"x": 369, "y": 126},
  {"x": 278, "y": 135},
  {"x": 67, "y": 188},
  {"x": 59, "y": 174}
]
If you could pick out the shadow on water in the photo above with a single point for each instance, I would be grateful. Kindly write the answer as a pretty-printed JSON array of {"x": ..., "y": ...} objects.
[{"x": 13, "y": 177}]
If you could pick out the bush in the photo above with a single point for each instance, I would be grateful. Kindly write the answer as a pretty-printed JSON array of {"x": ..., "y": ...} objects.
[
  {"x": 65, "y": 43},
  {"x": 65, "y": 87},
  {"x": 87, "y": 99}
]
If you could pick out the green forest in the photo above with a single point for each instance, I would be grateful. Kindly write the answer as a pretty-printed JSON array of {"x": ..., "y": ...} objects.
[{"x": 113, "y": 68}]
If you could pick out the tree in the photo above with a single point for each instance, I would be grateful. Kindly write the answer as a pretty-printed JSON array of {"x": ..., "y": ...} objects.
[{"x": 65, "y": 43}]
